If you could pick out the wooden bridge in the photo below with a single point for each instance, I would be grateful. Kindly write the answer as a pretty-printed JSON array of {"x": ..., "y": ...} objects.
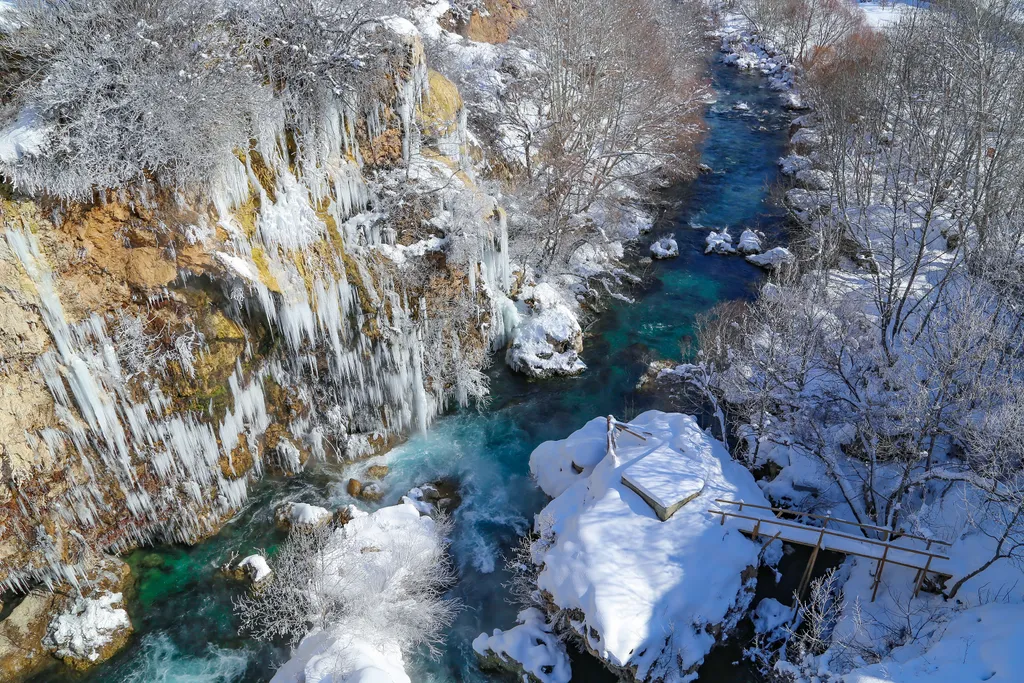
[{"x": 888, "y": 547}]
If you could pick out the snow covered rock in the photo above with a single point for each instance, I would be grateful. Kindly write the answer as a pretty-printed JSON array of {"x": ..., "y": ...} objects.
[
  {"x": 771, "y": 617},
  {"x": 89, "y": 632},
  {"x": 750, "y": 242},
  {"x": 529, "y": 649},
  {"x": 665, "y": 248},
  {"x": 805, "y": 204},
  {"x": 651, "y": 599},
  {"x": 792, "y": 100},
  {"x": 548, "y": 339},
  {"x": 255, "y": 567},
  {"x": 793, "y": 164},
  {"x": 813, "y": 179},
  {"x": 773, "y": 258},
  {"x": 301, "y": 516},
  {"x": 719, "y": 243},
  {"x": 806, "y": 138}
]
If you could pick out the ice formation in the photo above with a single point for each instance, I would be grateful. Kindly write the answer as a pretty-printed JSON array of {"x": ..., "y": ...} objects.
[{"x": 310, "y": 261}]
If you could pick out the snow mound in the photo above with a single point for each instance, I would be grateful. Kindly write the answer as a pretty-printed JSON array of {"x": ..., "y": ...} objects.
[
  {"x": 548, "y": 338},
  {"x": 89, "y": 626},
  {"x": 813, "y": 179},
  {"x": 773, "y": 258},
  {"x": 26, "y": 136},
  {"x": 806, "y": 137},
  {"x": 805, "y": 204},
  {"x": 750, "y": 242},
  {"x": 719, "y": 242},
  {"x": 256, "y": 567},
  {"x": 980, "y": 644},
  {"x": 664, "y": 248},
  {"x": 649, "y": 595},
  {"x": 530, "y": 648}
]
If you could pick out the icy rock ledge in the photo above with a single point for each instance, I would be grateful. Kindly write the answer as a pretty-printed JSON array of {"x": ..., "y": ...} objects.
[
  {"x": 529, "y": 650},
  {"x": 652, "y": 597},
  {"x": 548, "y": 339},
  {"x": 90, "y": 631},
  {"x": 664, "y": 248}
]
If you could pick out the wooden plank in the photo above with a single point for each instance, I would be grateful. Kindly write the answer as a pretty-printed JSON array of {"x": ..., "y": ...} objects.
[{"x": 920, "y": 579}]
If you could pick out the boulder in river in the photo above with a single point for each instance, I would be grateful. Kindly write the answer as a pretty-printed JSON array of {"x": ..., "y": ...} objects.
[
  {"x": 665, "y": 248},
  {"x": 548, "y": 339}
]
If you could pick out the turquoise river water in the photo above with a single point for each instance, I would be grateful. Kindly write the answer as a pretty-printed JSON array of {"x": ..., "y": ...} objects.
[{"x": 185, "y": 629}]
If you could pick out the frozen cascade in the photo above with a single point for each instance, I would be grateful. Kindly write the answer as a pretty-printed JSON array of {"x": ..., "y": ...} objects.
[{"x": 150, "y": 454}]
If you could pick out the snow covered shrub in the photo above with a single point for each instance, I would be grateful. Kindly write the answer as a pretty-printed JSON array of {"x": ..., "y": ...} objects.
[
  {"x": 381, "y": 577},
  {"x": 123, "y": 91},
  {"x": 321, "y": 58},
  {"x": 805, "y": 29}
]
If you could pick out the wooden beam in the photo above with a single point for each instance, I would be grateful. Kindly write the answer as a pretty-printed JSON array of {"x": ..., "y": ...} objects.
[
  {"x": 878, "y": 573},
  {"x": 920, "y": 579},
  {"x": 805, "y": 580}
]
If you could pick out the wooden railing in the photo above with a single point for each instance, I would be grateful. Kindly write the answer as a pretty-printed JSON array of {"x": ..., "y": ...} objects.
[{"x": 847, "y": 543}]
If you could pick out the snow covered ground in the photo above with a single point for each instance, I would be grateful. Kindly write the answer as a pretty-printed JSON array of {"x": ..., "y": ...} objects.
[{"x": 643, "y": 594}]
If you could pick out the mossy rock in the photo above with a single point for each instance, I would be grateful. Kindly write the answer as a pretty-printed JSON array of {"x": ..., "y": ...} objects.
[{"x": 439, "y": 112}]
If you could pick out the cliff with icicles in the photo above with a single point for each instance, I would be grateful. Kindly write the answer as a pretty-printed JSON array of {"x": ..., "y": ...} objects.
[{"x": 161, "y": 350}]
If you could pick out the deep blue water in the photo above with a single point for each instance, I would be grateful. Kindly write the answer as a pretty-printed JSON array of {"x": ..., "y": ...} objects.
[{"x": 185, "y": 631}]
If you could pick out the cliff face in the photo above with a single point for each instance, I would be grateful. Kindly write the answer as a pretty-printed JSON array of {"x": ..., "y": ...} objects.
[{"x": 160, "y": 351}]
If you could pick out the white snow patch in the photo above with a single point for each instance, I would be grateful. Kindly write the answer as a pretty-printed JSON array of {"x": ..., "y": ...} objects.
[
  {"x": 255, "y": 567},
  {"x": 773, "y": 258},
  {"x": 26, "y": 136},
  {"x": 750, "y": 242},
  {"x": 719, "y": 242}
]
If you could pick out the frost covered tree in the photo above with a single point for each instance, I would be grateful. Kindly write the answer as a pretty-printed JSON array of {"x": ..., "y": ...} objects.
[
  {"x": 128, "y": 92},
  {"x": 388, "y": 587}
]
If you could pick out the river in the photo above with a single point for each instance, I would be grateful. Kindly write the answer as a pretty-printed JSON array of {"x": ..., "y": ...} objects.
[{"x": 185, "y": 630}]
